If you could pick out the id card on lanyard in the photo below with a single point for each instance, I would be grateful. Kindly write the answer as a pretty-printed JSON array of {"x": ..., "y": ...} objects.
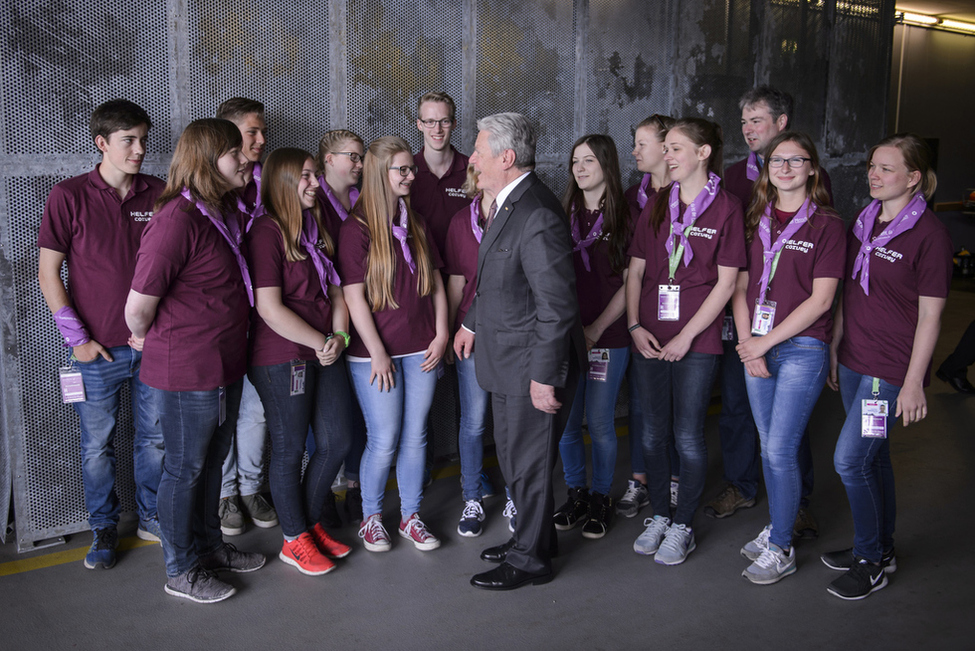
[
  {"x": 298, "y": 369},
  {"x": 764, "y": 318},
  {"x": 668, "y": 302},
  {"x": 72, "y": 385},
  {"x": 874, "y": 414},
  {"x": 221, "y": 405},
  {"x": 598, "y": 364}
]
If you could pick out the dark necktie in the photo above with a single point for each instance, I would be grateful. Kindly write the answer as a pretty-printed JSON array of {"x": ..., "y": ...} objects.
[{"x": 492, "y": 211}]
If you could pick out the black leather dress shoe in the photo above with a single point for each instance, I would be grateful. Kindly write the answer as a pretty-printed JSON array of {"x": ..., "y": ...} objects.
[
  {"x": 507, "y": 577},
  {"x": 498, "y": 553},
  {"x": 959, "y": 384}
]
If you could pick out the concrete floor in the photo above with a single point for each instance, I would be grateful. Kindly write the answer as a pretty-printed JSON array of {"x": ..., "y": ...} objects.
[{"x": 604, "y": 595}]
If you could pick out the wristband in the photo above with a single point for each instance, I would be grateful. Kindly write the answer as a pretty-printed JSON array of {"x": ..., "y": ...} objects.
[
  {"x": 71, "y": 327},
  {"x": 344, "y": 335},
  {"x": 634, "y": 327}
]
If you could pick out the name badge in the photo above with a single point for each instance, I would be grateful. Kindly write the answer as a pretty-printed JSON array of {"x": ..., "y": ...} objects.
[
  {"x": 72, "y": 385},
  {"x": 221, "y": 405},
  {"x": 598, "y": 364},
  {"x": 873, "y": 422},
  {"x": 764, "y": 318},
  {"x": 728, "y": 328},
  {"x": 668, "y": 303},
  {"x": 298, "y": 378}
]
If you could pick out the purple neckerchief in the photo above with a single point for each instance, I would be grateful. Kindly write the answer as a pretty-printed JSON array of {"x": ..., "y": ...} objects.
[
  {"x": 332, "y": 199},
  {"x": 309, "y": 239},
  {"x": 401, "y": 232},
  {"x": 231, "y": 233},
  {"x": 863, "y": 228},
  {"x": 771, "y": 252},
  {"x": 71, "y": 328},
  {"x": 697, "y": 207},
  {"x": 582, "y": 244},
  {"x": 476, "y": 218},
  {"x": 641, "y": 192},
  {"x": 752, "y": 167},
  {"x": 258, "y": 209}
]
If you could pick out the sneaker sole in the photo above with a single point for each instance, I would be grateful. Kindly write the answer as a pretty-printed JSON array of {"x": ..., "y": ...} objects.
[
  {"x": 890, "y": 568},
  {"x": 331, "y": 554},
  {"x": 630, "y": 511},
  {"x": 423, "y": 547},
  {"x": 147, "y": 535},
  {"x": 99, "y": 566},
  {"x": 693, "y": 546},
  {"x": 373, "y": 547},
  {"x": 568, "y": 527},
  {"x": 293, "y": 562},
  {"x": 469, "y": 534},
  {"x": 213, "y": 600},
  {"x": 711, "y": 512},
  {"x": 232, "y": 531},
  {"x": 265, "y": 524},
  {"x": 879, "y": 586},
  {"x": 776, "y": 579}
]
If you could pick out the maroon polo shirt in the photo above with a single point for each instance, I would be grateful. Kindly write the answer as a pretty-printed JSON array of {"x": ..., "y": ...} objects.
[
  {"x": 198, "y": 339},
  {"x": 460, "y": 258},
  {"x": 439, "y": 199},
  {"x": 330, "y": 217},
  {"x": 99, "y": 234},
  {"x": 596, "y": 287},
  {"x": 301, "y": 292},
  {"x": 737, "y": 183},
  {"x": 412, "y": 326},
  {"x": 717, "y": 239},
  {"x": 878, "y": 330},
  {"x": 816, "y": 250}
]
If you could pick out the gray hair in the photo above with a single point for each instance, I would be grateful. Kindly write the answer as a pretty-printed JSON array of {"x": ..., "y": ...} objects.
[
  {"x": 510, "y": 131},
  {"x": 779, "y": 102}
]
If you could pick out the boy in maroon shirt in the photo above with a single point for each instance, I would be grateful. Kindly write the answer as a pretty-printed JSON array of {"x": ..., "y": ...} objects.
[
  {"x": 243, "y": 470},
  {"x": 94, "y": 222}
]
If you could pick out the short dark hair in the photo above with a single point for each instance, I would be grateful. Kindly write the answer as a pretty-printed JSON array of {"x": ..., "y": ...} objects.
[
  {"x": 779, "y": 102},
  {"x": 438, "y": 96},
  {"x": 235, "y": 108},
  {"x": 117, "y": 115}
]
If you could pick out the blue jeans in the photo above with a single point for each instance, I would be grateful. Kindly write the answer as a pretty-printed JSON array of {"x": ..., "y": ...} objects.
[
  {"x": 470, "y": 438},
  {"x": 98, "y": 414},
  {"x": 396, "y": 426},
  {"x": 863, "y": 464},
  {"x": 675, "y": 401},
  {"x": 326, "y": 406},
  {"x": 357, "y": 444},
  {"x": 736, "y": 427},
  {"x": 598, "y": 401},
  {"x": 781, "y": 406},
  {"x": 243, "y": 469},
  {"x": 189, "y": 492},
  {"x": 635, "y": 425}
]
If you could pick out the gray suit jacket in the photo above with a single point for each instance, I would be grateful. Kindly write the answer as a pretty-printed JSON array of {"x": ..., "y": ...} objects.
[{"x": 525, "y": 314}]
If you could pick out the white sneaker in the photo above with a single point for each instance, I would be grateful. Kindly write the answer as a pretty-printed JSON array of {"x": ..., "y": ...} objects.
[
  {"x": 677, "y": 544},
  {"x": 509, "y": 510},
  {"x": 649, "y": 541},
  {"x": 772, "y": 566},
  {"x": 754, "y": 548}
]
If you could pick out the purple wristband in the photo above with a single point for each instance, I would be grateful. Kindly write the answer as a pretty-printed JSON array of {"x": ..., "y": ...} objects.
[{"x": 71, "y": 327}]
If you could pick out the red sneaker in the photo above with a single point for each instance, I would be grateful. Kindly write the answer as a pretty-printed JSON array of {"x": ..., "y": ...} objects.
[
  {"x": 328, "y": 545},
  {"x": 304, "y": 555},
  {"x": 374, "y": 535},
  {"x": 413, "y": 529}
]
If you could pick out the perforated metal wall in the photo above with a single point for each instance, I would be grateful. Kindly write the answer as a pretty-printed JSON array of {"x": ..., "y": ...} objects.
[{"x": 572, "y": 66}]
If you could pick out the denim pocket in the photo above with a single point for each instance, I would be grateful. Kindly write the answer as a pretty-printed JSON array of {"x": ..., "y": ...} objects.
[{"x": 807, "y": 343}]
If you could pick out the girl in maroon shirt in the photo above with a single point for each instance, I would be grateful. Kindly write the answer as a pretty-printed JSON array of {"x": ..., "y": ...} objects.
[
  {"x": 296, "y": 340},
  {"x": 782, "y": 313}
]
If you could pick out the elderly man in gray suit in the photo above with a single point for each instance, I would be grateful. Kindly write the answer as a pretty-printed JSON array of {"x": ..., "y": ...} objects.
[{"x": 530, "y": 345}]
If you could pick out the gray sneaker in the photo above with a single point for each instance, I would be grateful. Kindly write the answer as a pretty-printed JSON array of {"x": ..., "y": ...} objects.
[
  {"x": 200, "y": 586},
  {"x": 228, "y": 558},
  {"x": 231, "y": 518},
  {"x": 677, "y": 544},
  {"x": 772, "y": 566},
  {"x": 649, "y": 541},
  {"x": 634, "y": 499},
  {"x": 754, "y": 548},
  {"x": 260, "y": 512}
]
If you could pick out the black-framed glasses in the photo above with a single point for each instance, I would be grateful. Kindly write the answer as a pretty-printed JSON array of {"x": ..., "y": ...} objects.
[
  {"x": 355, "y": 157},
  {"x": 795, "y": 161},
  {"x": 444, "y": 123},
  {"x": 405, "y": 170}
]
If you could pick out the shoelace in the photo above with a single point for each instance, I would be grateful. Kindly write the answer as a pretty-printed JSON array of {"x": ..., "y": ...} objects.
[
  {"x": 654, "y": 525},
  {"x": 103, "y": 539},
  {"x": 676, "y": 538},
  {"x": 770, "y": 558},
  {"x": 306, "y": 547},
  {"x": 472, "y": 510},
  {"x": 199, "y": 573},
  {"x": 762, "y": 540},
  {"x": 509, "y": 510},
  {"x": 232, "y": 505},
  {"x": 631, "y": 494},
  {"x": 374, "y": 529},
  {"x": 416, "y": 529}
]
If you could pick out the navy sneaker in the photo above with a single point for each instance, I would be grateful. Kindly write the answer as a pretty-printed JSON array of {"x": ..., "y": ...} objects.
[
  {"x": 101, "y": 554},
  {"x": 471, "y": 519},
  {"x": 149, "y": 530}
]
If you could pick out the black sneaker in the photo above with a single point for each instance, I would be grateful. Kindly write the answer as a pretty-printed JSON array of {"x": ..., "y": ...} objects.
[
  {"x": 600, "y": 511},
  {"x": 330, "y": 515},
  {"x": 859, "y": 581},
  {"x": 353, "y": 504},
  {"x": 574, "y": 510},
  {"x": 843, "y": 560}
]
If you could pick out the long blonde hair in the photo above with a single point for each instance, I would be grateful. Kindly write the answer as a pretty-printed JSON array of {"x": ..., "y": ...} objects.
[
  {"x": 372, "y": 210},
  {"x": 279, "y": 193},
  {"x": 194, "y": 164}
]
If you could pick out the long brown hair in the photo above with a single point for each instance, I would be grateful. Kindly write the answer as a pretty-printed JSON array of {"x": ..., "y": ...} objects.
[
  {"x": 917, "y": 157},
  {"x": 194, "y": 164},
  {"x": 279, "y": 193},
  {"x": 613, "y": 204},
  {"x": 372, "y": 210},
  {"x": 764, "y": 193},
  {"x": 700, "y": 132}
]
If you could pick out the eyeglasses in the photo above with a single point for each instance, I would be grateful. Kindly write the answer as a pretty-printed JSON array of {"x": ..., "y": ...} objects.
[
  {"x": 444, "y": 123},
  {"x": 355, "y": 157},
  {"x": 778, "y": 161},
  {"x": 405, "y": 170}
]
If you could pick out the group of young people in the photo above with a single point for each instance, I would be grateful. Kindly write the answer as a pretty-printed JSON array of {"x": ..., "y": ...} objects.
[{"x": 335, "y": 282}]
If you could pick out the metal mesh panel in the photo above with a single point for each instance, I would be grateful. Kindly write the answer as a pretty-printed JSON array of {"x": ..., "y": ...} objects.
[{"x": 273, "y": 52}]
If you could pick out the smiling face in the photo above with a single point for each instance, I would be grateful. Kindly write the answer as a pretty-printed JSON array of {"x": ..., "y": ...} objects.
[
  {"x": 400, "y": 184},
  {"x": 888, "y": 175},
  {"x": 232, "y": 166},
  {"x": 683, "y": 157},
  {"x": 759, "y": 127},
  {"x": 307, "y": 185},
  {"x": 123, "y": 150},
  {"x": 436, "y": 137},
  {"x": 648, "y": 151},
  {"x": 788, "y": 177},
  {"x": 340, "y": 170},
  {"x": 587, "y": 171},
  {"x": 254, "y": 132}
]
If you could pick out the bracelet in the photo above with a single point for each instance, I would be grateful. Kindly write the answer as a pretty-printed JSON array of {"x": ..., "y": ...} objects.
[
  {"x": 344, "y": 335},
  {"x": 634, "y": 327}
]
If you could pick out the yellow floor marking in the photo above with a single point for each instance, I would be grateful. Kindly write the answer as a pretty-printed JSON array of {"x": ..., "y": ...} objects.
[{"x": 60, "y": 558}]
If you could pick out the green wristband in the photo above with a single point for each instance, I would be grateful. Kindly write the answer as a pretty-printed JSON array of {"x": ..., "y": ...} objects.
[{"x": 344, "y": 335}]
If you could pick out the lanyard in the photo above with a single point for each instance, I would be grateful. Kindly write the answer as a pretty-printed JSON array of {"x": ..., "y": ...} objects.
[
  {"x": 678, "y": 228},
  {"x": 231, "y": 233},
  {"x": 323, "y": 266},
  {"x": 401, "y": 232},
  {"x": 903, "y": 222},
  {"x": 770, "y": 251}
]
